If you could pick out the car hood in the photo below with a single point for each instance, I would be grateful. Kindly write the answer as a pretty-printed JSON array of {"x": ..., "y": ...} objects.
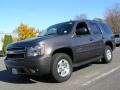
[{"x": 30, "y": 42}]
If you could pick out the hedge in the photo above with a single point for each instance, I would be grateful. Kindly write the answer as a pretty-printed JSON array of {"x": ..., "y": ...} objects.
[{"x": 7, "y": 40}]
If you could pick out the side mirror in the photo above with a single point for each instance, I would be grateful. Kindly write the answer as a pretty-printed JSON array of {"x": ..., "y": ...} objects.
[
  {"x": 116, "y": 36},
  {"x": 81, "y": 31}
]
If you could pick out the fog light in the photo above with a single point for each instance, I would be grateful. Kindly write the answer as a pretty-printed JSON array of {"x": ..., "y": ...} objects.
[
  {"x": 14, "y": 71},
  {"x": 32, "y": 71}
]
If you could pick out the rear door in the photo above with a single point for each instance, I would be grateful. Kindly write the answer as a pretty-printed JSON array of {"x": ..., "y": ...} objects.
[{"x": 97, "y": 42}]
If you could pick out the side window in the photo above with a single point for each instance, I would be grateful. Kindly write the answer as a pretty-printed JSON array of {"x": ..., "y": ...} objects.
[
  {"x": 82, "y": 29},
  {"x": 95, "y": 29}
]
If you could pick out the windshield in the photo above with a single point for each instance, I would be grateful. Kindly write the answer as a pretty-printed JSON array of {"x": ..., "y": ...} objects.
[{"x": 59, "y": 29}]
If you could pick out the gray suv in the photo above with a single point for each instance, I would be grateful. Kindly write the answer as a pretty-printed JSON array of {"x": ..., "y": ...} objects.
[{"x": 60, "y": 48}]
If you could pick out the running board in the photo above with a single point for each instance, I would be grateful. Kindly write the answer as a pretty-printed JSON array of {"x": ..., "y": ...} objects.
[{"x": 87, "y": 61}]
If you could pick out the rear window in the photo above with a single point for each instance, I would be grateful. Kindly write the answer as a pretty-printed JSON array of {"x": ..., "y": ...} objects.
[
  {"x": 106, "y": 28},
  {"x": 94, "y": 28}
]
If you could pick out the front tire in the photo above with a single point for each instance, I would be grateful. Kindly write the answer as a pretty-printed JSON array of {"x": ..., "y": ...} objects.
[
  {"x": 107, "y": 57},
  {"x": 61, "y": 67}
]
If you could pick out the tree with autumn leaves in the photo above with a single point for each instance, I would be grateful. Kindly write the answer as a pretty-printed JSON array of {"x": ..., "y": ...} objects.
[
  {"x": 25, "y": 32},
  {"x": 22, "y": 32}
]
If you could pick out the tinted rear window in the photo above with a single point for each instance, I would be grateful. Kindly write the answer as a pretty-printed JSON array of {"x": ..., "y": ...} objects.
[{"x": 94, "y": 28}]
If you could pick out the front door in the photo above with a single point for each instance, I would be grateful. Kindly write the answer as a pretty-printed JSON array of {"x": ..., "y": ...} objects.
[{"x": 81, "y": 42}]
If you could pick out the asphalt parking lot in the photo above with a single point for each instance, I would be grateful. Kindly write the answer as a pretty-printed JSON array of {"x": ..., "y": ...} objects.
[{"x": 90, "y": 77}]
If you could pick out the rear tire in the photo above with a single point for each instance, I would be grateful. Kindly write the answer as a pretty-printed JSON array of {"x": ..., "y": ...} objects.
[
  {"x": 107, "y": 57},
  {"x": 61, "y": 67}
]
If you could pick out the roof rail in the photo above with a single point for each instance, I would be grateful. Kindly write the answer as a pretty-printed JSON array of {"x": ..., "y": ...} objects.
[{"x": 99, "y": 20}]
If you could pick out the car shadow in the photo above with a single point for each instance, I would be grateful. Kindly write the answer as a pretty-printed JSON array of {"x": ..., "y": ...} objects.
[
  {"x": 81, "y": 67},
  {"x": 87, "y": 65},
  {"x": 6, "y": 76}
]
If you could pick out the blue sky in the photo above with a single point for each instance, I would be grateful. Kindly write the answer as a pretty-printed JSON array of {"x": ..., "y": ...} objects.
[{"x": 42, "y": 13}]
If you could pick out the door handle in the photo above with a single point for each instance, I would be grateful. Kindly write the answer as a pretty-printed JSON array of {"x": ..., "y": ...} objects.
[{"x": 91, "y": 39}]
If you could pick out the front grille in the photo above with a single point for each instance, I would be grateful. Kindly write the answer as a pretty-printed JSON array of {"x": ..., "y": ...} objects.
[
  {"x": 16, "y": 56},
  {"x": 16, "y": 48},
  {"x": 16, "y": 52}
]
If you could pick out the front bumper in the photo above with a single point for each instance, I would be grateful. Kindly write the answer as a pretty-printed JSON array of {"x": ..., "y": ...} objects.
[{"x": 31, "y": 65}]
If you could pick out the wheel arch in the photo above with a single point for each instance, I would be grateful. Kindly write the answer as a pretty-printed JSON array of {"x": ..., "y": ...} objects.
[
  {"x": 66, "y": 50},
  {"x": 109, "y": 43}
]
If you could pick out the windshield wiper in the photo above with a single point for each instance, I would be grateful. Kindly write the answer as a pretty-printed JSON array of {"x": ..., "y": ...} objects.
[{"x": 50, "y": 34}]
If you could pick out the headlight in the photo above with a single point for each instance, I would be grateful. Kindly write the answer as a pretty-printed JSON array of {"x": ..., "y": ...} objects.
[{"x": 35, "y": 50}]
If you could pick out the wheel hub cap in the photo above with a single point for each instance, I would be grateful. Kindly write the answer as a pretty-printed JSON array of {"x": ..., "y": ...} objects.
[
  {"x": 63, "y": 68},
  {"x": 109, "y": 54}
]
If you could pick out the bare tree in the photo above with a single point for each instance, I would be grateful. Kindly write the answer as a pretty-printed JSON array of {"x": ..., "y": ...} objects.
[
  {"x": 81, "y": 17},
  {"x": 112, "y": 17}
]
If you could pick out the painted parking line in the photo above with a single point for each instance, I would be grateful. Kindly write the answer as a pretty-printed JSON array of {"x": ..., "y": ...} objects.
[{"x": 101, "y": 76}]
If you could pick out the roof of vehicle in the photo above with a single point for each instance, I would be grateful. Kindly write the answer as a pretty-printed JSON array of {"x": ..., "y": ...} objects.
[
  {"x": 84, "y": 20},
  {"x": 95, "y": 20}
]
